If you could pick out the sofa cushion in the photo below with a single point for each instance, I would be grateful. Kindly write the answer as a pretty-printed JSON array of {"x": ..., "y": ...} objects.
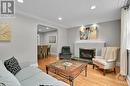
[
  {"x": 12, "y": 65},
  {"x": 42, "y": 79},
  {"x": 27, "y": 73},
  {"x": 7, "y": 78},
  {"x": 36, "y": 77}
]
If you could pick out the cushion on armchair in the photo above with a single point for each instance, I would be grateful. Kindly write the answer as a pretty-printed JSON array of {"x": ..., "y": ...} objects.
[
  {"x": 111, "y": 53},
  {"x": 65, "y": 49}
]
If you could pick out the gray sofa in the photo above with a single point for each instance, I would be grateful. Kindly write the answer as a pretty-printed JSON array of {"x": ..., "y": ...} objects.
[
  {"x": 27, "y": 76},
  {"x": 32, "y": 76}
]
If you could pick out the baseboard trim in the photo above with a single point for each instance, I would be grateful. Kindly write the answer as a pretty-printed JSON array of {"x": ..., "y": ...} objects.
[{"x": 128, "y": 80}]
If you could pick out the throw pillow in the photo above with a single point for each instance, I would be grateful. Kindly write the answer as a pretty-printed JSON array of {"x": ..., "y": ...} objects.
[
  {"x": 12, "y": 65},
  {"x": 7, "y": 78}
]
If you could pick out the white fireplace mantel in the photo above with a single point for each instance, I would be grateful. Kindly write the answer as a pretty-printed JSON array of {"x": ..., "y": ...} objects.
[
  {"x": 90, "y": 41},
  {"x": 88, "y": 44}
]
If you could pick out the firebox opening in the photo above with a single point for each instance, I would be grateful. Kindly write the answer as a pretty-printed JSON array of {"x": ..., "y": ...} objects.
[{"x": 87, "y": 54}]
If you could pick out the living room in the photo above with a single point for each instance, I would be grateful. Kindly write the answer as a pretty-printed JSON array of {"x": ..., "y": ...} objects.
[{"x": 69, "y": 18}]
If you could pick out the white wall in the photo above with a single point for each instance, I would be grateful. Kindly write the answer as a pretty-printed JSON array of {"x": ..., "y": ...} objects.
[
  {"x": 110, "y": 32},
  {"x": 107, "y": 31},
  {"x": 44, "y": 39},
  {"x": 23, "y": 40},
  {"x": 44, "y": 36},
  {"x": 62, "y": 39},
  {"x": 23, "y": 44}
]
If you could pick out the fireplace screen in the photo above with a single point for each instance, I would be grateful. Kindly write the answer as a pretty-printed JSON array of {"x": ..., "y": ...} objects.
[{"x": 87, "y": 54}]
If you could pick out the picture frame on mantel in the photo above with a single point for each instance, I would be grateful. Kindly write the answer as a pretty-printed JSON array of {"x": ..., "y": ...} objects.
[
  {"x": 5, "y": 32},
  {"x": 88, "y": 33}
]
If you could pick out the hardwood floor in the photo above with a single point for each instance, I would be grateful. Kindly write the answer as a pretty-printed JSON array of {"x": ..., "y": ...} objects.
[{"x": 94, "y": 77}]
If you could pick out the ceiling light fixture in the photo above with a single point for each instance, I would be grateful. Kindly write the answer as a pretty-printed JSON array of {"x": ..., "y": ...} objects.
[
  {"x": 93, "y": 7},
  {"x": 39, "y": 30},
  {"x": 60, "y": 18},
  {"x": 20, "y": 1},
  {"x": 47, "y": 28}
]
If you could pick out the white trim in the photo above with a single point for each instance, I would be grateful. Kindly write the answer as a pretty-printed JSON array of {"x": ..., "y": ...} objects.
[
  {"x": 128, "y": 80},
  {"x": 90, "y": 41},
  {"x": 128, "y": 48}
]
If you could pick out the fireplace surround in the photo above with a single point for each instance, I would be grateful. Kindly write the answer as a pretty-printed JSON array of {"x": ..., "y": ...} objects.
[{"x": 89, "y": 44}]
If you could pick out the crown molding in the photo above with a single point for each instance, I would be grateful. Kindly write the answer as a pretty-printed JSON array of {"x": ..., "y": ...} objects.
[{"x": 40, "y": 19}]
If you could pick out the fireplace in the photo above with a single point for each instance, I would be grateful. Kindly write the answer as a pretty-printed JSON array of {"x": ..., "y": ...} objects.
[{"x": 87, "y": 54}]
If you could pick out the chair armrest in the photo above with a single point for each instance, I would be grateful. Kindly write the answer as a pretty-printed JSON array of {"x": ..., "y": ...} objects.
[
  {"x": 111, "y": 60},
  {"x": 99, "y": 57}
]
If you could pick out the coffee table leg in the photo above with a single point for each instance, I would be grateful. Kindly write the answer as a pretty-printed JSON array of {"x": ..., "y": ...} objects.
[
  {"x": 46, "y": 69},
  {"x": 71, "y": 82},
  {"x": 86, "y": 71}
]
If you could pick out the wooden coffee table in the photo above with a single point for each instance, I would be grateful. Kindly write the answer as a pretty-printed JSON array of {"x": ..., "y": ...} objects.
[{"x": 67, "y": 69}]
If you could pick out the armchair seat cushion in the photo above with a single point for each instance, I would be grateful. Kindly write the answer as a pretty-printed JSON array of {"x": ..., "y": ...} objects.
[
  {"x": 104, "y": 64},
  {"x": 100, "y": 61}
]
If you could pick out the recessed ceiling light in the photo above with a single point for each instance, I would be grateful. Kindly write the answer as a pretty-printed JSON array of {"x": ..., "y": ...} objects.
[
  {"x": 20, "y": 1},
  {"x": 47, "y": 28},
  {"x": 60, "y": 18},
  {"x": 93, "y": 7},
  {"x": 39, "y": 30}
]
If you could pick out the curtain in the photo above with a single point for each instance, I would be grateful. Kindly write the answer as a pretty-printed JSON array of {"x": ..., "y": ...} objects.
[
  {"x": 123, "y": 50},
  {"x": 128, "y": 31}
]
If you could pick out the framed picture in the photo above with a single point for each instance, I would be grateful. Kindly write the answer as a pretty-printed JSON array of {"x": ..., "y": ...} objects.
[
  {"x": 88, "y": 33},
  {"x": 52, "y": 39},
  {"x": 5, "y": 33}
]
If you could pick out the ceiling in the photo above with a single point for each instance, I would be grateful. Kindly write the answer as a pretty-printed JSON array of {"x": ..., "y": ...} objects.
[
  {"x": 73, "y": 12},
  {"x": 42, "y": 28}
]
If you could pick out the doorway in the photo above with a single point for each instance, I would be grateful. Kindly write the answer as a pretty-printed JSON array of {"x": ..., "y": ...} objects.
[{"x": 46, "y": 41}]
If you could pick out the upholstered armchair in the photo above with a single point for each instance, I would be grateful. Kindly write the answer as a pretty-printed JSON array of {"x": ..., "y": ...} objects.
[
  {"x": 65, "y": 53},
  {"x": 107, "y": 60}
]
